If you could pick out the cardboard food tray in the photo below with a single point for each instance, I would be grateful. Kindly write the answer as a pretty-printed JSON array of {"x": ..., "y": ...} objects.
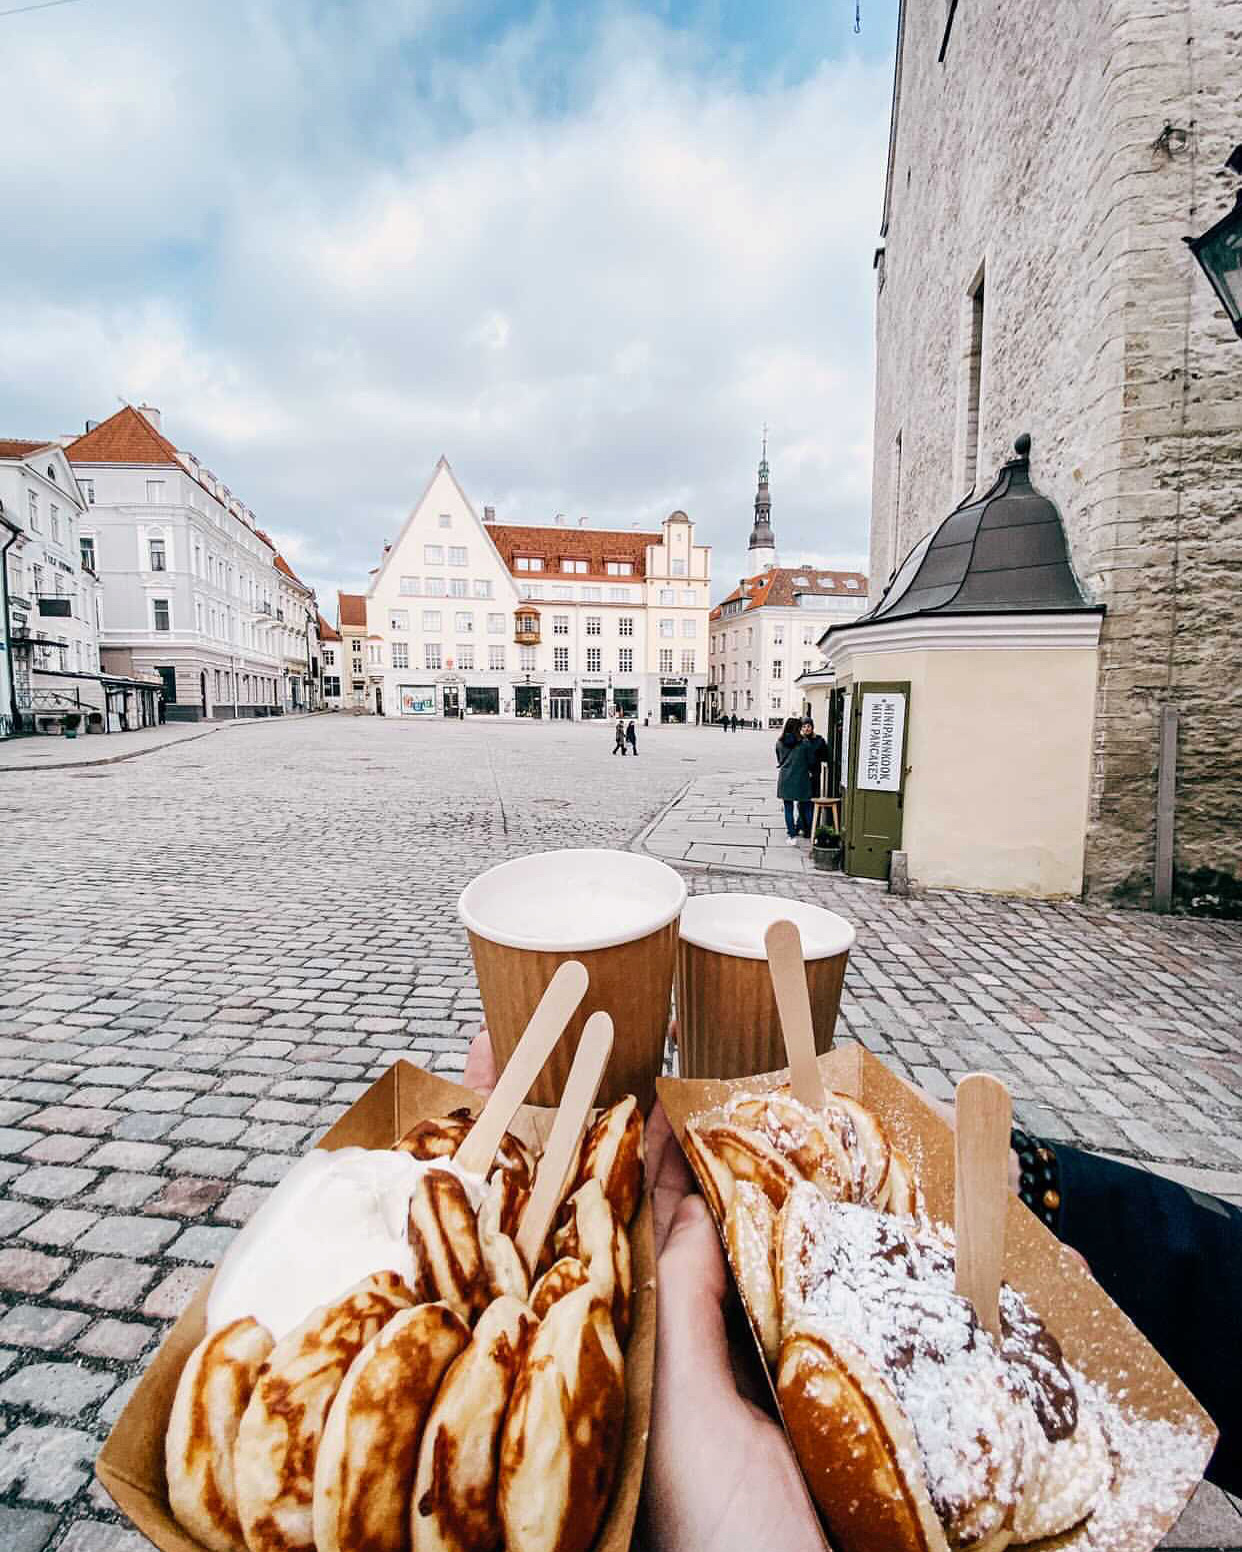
[
  {"x": 131, "y": 1463},
  {"x": 1094, "y": 1334}
]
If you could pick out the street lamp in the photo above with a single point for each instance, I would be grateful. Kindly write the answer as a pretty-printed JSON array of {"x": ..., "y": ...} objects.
[{"x": 1219, "y": 252}]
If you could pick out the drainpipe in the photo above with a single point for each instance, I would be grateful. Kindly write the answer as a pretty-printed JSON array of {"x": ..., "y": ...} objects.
[{"x": 14, "y": 534}]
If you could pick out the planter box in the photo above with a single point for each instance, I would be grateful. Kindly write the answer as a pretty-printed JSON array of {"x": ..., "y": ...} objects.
[{"x": 828, "y": 858}]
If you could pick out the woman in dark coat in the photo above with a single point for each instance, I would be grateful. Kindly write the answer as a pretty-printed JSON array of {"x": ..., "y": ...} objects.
[{"x": 794, "y": 784}]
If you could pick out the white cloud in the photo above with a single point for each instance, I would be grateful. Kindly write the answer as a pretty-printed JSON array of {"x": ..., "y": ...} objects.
[{"x": 330, "y": 248}]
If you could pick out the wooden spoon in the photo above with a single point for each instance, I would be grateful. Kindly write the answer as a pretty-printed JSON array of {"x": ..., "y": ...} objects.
[
  {"x": 793, "y": 1002},
  {"x": 984, "y": 1115},
  {"x": 565, "y": 1139},
  {"x": 547, "y": 1024}
]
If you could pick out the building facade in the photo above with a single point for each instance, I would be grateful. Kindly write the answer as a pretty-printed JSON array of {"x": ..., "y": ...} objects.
[
  {"x": 296, "y": 634},
  {"x": 351, "y": 623},
  {"x": 1033, "y": 279},
  {"x": 474, "y": 617},
  {"x": 331, "y": 658},
  {"x": 190, "y": 586},
  {"x": 764, "y": 635}
]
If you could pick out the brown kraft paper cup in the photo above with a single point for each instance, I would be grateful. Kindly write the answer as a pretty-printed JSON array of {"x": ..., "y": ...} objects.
[
  {"x": 617, "y": 913},
  {"x": 727, "y": 1021}
]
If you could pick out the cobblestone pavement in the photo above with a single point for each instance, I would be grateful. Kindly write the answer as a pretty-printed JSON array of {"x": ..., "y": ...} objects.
[
  {"x": 209, "y": 953},
  {"x": 729, "y": 821}
]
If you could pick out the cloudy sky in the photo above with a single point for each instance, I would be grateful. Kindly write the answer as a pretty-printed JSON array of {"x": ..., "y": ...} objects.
[{"x": 583, "y": 250}]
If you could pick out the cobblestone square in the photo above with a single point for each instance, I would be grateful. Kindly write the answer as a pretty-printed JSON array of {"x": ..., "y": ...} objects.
[{"x": 211, "y": 950}]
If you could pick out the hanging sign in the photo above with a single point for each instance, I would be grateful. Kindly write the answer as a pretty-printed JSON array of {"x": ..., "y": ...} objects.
[
  {"x": 881, "y": 741},
  {"x": 847, "y": 704}
]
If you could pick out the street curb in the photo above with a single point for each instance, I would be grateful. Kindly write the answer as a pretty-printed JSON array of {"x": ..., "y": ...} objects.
[{"x": 137, "y": 754}]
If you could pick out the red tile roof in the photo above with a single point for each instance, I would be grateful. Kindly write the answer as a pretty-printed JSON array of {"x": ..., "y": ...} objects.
[
  {"x": 327, "y": 632},
  {"x": 126, "y": 437},
  {"x": 351, "y": 610},
  {"x": 14, "y": 447},
  {"x": 779, "y": 585},
  {"x": 596, "y": 546},
  {"x": 283, "y": 565}
]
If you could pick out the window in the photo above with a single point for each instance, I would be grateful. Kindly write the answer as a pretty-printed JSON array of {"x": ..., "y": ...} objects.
[
  {"x": 434, "y": 587},
  {"x": 457, "y": 555},
  {"x": 808, "y": 635},
  {"x": 464, "y": 622},
  {"x": 690, "y": 629},
  {"x": 591, "y": 595},
  {"x": 54, "y": 511},
  {"x": 532, "y": 590},
  {"x": 593, "y": 624},
  {"x": 666, "y": 660},
  {"x": 357, "y": 661},
  {"x": 625, "y": 625},
  {"x": 526, "y": 624},
  {"x": 560, "y": 659},
  {"x": 668, "y": 595},
  {"x": 687, "y": 662},
  {"x": 431, "y": 619},
  {"x": 687, "y": 597},
  {"x": 87, "y": 547},
  {"x": 571, "y": 567},
  {"x": 36, "y": 573},
  {"x": 778, "y": 635},
  {"x": 528, "y": 563},
  {"x": 778, "y": 668},
  {"x": 495, "y": 625},
  {"x": 750, "y": 635},
  {"x": 400, "y": 654},
  {"x": 155, "y": 490},
  {"x": 398, "y": 620},
  {"x": 332, "y": 687},
  {"x": 446, "y": 519},
  {"x": 560, "y": 625},
  {"x": 619, "y": 568},
  {"x": 677, "y": 568},
  {"x": 375, "y": 653},
  {"x": 482, "y": 588},
  {"x": 88, "y": 490},
  {"x": 458, "y": 588},
  {"x": 851, "y": 582},
  {"x": 159, "y": 558},
  {"x": 32, "y": 509},
  {"x": 594, "y": 660},
  {"x": 431, "y": 654},
  {"x": 563, "y": 592},
  {"x": 666, "y": 627},
  {"x": 329, "y": 657},
  {"x": 526, "y": 659},
  {"x": 496, "y": 659},
  {"x": 806, "y": 665},
  {"x": 625, "y": 660},
  {"x": 433, "y": 554},
  {"x": 775, "y": 702},
  {"x": 163, "y": 619},
  {"x": 409, "y": 586},
  {"x": 618, "y": 595},
  {"x": 198, "y": 614}
]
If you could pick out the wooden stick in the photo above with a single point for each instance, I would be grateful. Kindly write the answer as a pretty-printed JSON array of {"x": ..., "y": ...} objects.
[
  {"x": 565, "y": 1139},
  {"x": 982, "y": 1123},
  {"x": 547, "y": 1024},
  {"x": 793, "y": 1003}
]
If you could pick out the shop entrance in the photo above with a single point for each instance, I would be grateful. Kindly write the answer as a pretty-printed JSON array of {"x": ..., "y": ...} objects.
[
  {"x": 452, "y": 703},
  {"x": 482, "y": 700},
  {"x": 874, "y": 753},
  {"x": 528, "y": 700},
  {"x": 625, "y": 700},
  {"x": 672, "y": 705},
  {"x": 592, "y": 703},
  {"x": 561, "y": 705}
]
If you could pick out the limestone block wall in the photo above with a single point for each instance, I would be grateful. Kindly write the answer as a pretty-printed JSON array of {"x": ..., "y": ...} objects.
[{"x": 1034, "y": 158}]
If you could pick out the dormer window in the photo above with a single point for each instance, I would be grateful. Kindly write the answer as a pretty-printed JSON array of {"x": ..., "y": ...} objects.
[
  {"x": 851, "y": 583},
  {"x": 619, "y": 568},
  {"x": 51, "y": 474},
  {"x": 528, "y": 563},
  {"x": 574, "y": 566},
  {"x": 802, "y": 581}
]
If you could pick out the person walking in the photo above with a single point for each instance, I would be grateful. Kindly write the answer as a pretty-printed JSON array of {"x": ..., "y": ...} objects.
[
  {"x": 793, "y": 783},
  {"x": 619, "y": 743},
  {"x": 734, "y": 722},
  {"x": 631, "y": 737}
]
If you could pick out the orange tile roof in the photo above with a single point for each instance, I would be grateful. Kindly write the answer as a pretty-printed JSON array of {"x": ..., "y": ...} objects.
[
  {"x": 351, "y": 609},
  {"x": 596, "y": 546},
  {"x": 126, "y": 437},
  {"x": 777, "y": 587},
  {"x": 283, "y": 565},
  {"x": 14, "y": 447},
  {"x": 326, "y": 632}
]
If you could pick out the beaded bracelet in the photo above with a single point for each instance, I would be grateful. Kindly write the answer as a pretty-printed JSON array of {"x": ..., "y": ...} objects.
[{"x": 1040, "y": 1181}]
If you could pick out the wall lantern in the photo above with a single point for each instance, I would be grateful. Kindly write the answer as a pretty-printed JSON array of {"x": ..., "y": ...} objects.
[{"x": 1219, "y": 252}]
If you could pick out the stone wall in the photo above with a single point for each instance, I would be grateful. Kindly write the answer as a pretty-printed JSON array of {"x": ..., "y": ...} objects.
[{"x": 1034, "y": 156}]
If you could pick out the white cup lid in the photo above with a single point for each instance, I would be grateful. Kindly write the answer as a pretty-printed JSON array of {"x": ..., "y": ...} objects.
[
  {"x": 572, "y": 900},
  {"x": 735, "y": 924}
]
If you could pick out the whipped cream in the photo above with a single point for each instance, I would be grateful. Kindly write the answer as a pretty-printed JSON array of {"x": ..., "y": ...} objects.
[{"x": 334, "y": 1219}]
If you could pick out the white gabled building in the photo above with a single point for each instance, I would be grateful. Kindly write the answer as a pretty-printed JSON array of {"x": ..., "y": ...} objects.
[{"x": 484, "y": 618}]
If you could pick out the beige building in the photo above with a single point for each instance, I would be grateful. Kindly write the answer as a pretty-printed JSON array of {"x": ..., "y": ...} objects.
[
  {"x": 295, "y": 634},
  {"x": 1033, "y": 279}
]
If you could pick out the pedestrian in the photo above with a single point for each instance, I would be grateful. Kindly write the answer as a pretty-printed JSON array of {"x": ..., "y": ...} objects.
[
  {"x": 793, "y": 784},
  {"x": 619, "y": 746},
  {"x": 819, "y": 753},
  {"x": 734, "y": 724},
  {"x": 724, "y": 721},
  {"x": 631, "y": 737}
]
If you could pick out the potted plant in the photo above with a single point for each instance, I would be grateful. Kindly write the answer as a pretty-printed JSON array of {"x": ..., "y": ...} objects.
[
  {"x": 827, "y": 850},
  {"x": 69, "y": 723}
]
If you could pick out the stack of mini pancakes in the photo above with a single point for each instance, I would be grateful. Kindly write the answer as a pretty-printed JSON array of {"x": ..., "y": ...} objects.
[
  {"x": 481, "y": 1405},
  {"x": 917, "y": 1431}
]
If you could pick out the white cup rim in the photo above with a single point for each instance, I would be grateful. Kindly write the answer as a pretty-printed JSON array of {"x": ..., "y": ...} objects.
[
  {"x": 836, "y": 935},
  {"x": 574, "y": 943}
]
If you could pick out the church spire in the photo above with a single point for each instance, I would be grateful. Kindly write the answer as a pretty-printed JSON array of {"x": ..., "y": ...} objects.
[{"x": 762, "y": 540}]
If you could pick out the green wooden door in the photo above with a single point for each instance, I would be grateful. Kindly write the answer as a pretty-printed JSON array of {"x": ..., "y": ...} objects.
[{"x": 879, "y": 720}]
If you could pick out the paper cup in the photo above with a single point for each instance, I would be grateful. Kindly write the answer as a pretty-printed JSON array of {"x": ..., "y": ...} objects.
[
  {"x": 727, "y": 1022},
  {"x": 616, "y": 912}
]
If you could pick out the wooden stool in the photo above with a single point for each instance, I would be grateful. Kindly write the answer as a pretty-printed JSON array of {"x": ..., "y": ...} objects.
[{"x": 833, "y": 805}]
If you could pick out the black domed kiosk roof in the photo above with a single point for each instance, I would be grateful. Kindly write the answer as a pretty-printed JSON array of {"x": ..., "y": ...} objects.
[{"x": 1000, "y": 553}]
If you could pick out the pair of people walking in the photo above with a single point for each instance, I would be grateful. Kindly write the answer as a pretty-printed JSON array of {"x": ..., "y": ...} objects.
[
  {"x": 627, "y": 734},
  {"x": 800, "y": 752}
]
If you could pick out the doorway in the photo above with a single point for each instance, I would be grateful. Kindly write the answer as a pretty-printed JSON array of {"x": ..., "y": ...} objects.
[
  {"x": 202, "y": 691},
  {"x": 452, "y": 701},
  {"x": 528, "y": 700},
  {"x": 561, "y": 705},
  {"x": 875, "y": 748},
  {"x": 379, "y": 700}
]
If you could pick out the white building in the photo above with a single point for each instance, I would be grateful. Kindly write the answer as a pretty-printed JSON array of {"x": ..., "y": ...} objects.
[
  {"x": 331, "y": 657},
  {"x": 764, "y": 635},
  {"x": 190, "y": 586},
  {"x": 296, "y": 635},
  {"x": 564, "y": 621}
]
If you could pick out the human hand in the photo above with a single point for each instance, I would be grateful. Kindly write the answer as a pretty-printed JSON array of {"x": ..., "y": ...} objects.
[{"x": 720, "y": 1476}]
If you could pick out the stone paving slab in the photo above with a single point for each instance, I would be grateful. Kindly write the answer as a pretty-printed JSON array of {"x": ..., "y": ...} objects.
[
  {"x": 209, "y": 956},
  {"x": 717, "y": 815}
]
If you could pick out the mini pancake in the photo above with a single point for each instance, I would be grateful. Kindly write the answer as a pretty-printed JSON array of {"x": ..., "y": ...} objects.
[
  {"x": 750, "y": 1230},
  {"x": 747, "y": 1155},
  {"x": 444, "y": 1236},
  {"x": 501, "y": 1261},
  {"x": 811, "y": 1143},
  {"x": 613, "y": 1153},
  {"x": 593, "y": 1235},
  {"x": 904, "y": 1198},
  {"x": 562, "y": 1277},
  {"x": 212, "y": 1395}
]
